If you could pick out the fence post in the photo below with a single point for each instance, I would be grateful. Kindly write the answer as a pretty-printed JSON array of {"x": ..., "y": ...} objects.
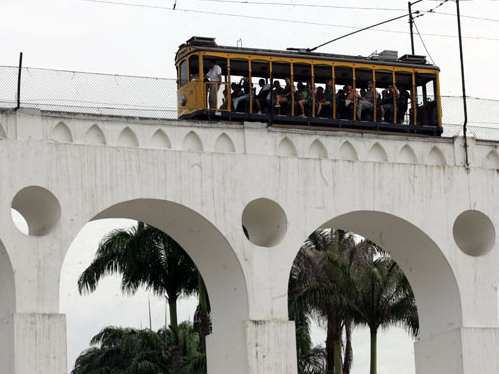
[{"x": 19, "y": 81}]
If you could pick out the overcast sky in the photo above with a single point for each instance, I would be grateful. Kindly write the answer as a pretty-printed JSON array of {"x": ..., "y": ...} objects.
[{"x": 140, "y": 37}]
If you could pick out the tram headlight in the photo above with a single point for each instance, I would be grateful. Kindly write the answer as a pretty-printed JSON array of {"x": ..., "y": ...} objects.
[{"x": 182, "y": 100}]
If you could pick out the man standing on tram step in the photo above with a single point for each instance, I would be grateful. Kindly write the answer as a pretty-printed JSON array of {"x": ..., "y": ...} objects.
[{"x": 214, "y": 75}]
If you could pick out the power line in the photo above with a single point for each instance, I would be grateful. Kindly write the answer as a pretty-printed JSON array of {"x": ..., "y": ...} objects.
[
  {"x": 471, "y": 17},
  {"x": 275, "y": 19},
  {"x": 424, "y": 45},
  {"x": 242, "y": 2}
]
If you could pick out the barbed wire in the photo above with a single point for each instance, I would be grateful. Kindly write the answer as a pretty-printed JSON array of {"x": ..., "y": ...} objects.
[{"x": 135, "y": 96}]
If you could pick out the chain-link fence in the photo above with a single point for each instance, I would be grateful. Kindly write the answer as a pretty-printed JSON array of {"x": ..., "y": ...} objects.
[{"x": 91, "y": 93}]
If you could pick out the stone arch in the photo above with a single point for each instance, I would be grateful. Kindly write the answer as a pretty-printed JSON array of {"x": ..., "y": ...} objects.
[
  {"x": 225, "y": 144},
  {"x": 492, "y": 160},
  {"x": 317, "y": 150},
  {"x": 192, "y": 142},
  {"x": 216, "y": 261},
  {"x": 286, "y": 148},
  {"x": 128, "y": 138},
  {"x": 436, "y": 157},
  {"x": 95, "y": 136},
  {"x": 161, "y": 140},
  {"x": 3, "y": 134},
  {"x": 62, "y": 133},
  {"x": 407, "y": 155},
  {"x": 7, "y": 309},
  {"x": 348, "y": 152},
  {"x": 377, "y": 154},
  {"x": 431, "y": 276}
]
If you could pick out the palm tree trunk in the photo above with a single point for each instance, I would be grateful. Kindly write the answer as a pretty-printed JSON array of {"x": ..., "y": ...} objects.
[
  {"x": 176, "y": 352},
  {"x": 329, "y": 348},
  {"x": 172, "y": 305},
  {"x": 333, "y": 347},
  {"x": 374, "y": 369},
  {"x": 203, "y": 314},
  {"x": 348, "y": 354},
  {"x": 338, "y": 367}
]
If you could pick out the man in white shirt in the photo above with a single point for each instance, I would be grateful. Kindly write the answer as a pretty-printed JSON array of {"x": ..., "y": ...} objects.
[{"x": 214, "y": 75}]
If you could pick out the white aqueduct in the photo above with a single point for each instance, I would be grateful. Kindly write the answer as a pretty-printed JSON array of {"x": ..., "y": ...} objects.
[{"x": 200, "y": 182}]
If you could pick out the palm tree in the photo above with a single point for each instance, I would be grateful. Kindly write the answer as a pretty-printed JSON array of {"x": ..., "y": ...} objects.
[
  {"x": 145, "y": 256},
  {"x": 384, "y": 297},
  {"x": 125, "y": 350},
  {"x": 311, "y": 360},
  {"x": 194, "y": 361},
  {"x": 320, "y": 285}
]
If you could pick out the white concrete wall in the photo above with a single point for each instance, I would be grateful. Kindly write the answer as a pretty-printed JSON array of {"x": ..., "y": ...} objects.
[{"x": 200, "y": 182}]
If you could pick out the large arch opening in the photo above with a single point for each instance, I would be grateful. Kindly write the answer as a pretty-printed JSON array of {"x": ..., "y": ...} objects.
[
  {"x": 421, "y": 260},
  {"x": 215, "y": 260},
  {"x": 428, "y": 272},
  {"x": 7, "y": 309}
]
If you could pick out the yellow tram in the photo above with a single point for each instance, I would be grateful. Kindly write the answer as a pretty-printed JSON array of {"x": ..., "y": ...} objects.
[{"x": 403, "y": 92}]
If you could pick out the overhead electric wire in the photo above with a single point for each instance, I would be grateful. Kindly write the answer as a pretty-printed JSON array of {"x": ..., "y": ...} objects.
[
  {"x": 274, "y": 19},
  {"x": 470, "y": 17},
  {"x": 242, "y": 2},
  {"x": 354, "y": 32},
  {"x": 424, "y": 45}
]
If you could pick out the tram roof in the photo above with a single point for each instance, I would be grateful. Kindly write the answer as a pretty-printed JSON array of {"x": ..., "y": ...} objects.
[{"x": 209, "y": 45}]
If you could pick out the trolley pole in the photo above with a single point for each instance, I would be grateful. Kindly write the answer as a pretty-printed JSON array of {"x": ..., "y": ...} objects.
[
  {"x": 463, "y": 84},
  {"x": 411, "y": 21}
]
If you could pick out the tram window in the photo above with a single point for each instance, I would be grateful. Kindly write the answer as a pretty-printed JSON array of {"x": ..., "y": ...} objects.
[
  {"x": 404, "y": 102},
  {"x": 322, "y": 73},
  {"x": 183, "y": 73},
  {"x": 260, "y": 70},
  {"x": 218, "y": 61},
  {"x": 426, "y": 84},
  {"x": 344, "y": 75},
  {"x": 240, "y": 88},
  {"x": 302, "y": 73},
  {"x": 193, "y": 68},
  {"x": 282, "y": 95},
  {"x": 344, "y": 82},
  {"x": 362, "y": 76},
  {"x": 281, "y": 70}
]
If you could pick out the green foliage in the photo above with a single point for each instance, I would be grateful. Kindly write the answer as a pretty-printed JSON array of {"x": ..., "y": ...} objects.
[
  {"x": 144, "y": 256},
  {"x": 342, "y": 283},
  {"x": 126, "y": 351},
  {"x": 147, "y": 257}
]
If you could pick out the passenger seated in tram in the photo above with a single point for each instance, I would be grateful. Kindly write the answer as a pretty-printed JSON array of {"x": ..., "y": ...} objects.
[
  {"x": 235, "y": 92},
  {"x": 263, "y": 96},
  {"x": 327, "y": 103},
  {"x": 366, "y": 102},
  {"x": 244, "y": 94},
  {"x": 320, "y": 98},
  {"x": 225, "y": 100},
  {"x": 386, "y": 107},
  {"x": 346, "y": 99},
  {"x": 402, "y": 103},
  {"x": 283, "y": 97},
  {"x": 278, "y": 93},
  {"x": 301, "y": 98}
]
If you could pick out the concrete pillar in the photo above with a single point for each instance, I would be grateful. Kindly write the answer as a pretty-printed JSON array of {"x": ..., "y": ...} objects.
[
  {"x": 460, "y": 351},
  {"x": 271, "y": 347},
  {"x": 37, "y": 344},
  {"x": 226, "y": 349}
]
